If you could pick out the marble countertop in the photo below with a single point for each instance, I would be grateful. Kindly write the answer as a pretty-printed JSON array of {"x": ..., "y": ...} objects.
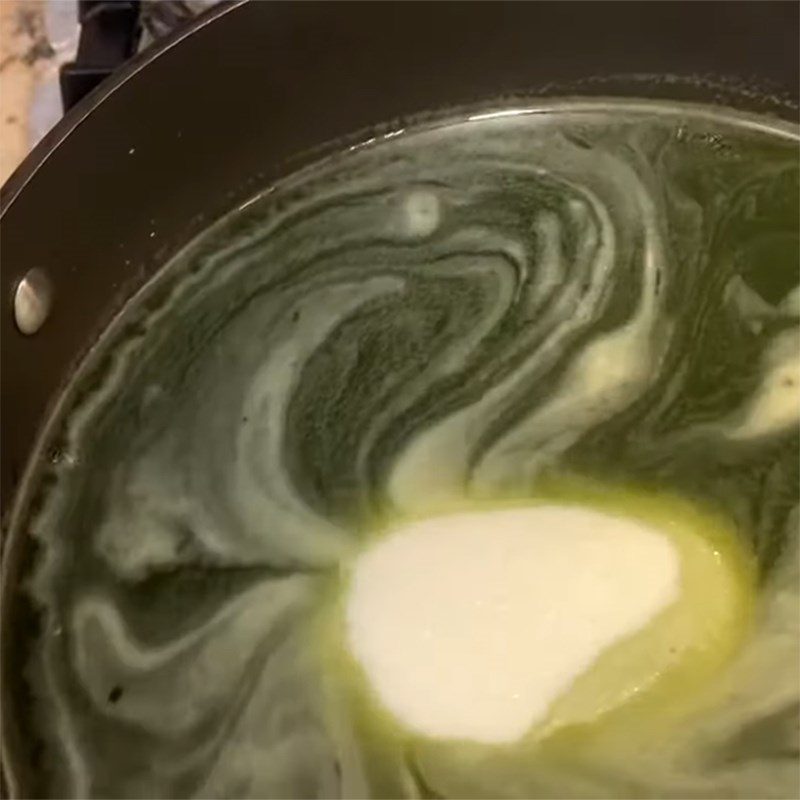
[{"x": 30, "y": 55}]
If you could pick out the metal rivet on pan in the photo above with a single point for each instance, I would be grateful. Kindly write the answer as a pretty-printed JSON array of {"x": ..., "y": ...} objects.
[{"x": 33, "y": 301}]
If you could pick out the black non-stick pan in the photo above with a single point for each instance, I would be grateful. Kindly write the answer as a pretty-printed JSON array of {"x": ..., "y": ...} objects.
[{"x": 199, "y": 123}]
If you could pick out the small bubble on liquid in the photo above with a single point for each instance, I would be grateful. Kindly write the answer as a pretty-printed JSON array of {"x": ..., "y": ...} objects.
[{"x": 421, "y": 213}]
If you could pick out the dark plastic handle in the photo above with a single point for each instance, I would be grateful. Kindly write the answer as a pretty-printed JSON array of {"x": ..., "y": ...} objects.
[{"x": 110, "y": 32}]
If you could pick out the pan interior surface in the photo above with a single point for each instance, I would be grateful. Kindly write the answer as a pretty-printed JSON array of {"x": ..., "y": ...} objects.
[{"x": 584, "y": 305}]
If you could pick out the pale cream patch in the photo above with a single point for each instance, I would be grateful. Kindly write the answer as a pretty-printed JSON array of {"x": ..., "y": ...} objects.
[
  {"x": 791, "y": 302},
  {"x": 775, "y": 406},
  {"x": 470, "y": 625}
]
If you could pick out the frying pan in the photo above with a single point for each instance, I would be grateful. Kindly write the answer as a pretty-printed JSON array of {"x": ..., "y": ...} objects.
[{"x": 198, "y": 124}]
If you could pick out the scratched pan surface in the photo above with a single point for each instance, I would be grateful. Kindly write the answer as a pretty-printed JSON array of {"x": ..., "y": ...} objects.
[{"x": 459, "y": 299}]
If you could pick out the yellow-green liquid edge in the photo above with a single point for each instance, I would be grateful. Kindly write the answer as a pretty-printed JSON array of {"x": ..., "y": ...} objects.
[{"x": 638, "y": 690}]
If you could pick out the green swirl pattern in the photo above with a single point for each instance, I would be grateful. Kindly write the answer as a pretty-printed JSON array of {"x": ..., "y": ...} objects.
[{"x": 463, "y": 309}]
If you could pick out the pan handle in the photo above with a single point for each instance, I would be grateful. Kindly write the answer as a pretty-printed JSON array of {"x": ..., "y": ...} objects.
[{"x": 110, "y": 33}]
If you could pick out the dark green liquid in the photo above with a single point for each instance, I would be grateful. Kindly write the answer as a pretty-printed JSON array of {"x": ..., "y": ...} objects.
[{"x": 459, "y": 310}]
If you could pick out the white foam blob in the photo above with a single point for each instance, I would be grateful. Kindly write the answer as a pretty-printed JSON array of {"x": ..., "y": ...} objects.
[
  {"x": 470, "y": 625},
  {"x": 421, "y": 211}
]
